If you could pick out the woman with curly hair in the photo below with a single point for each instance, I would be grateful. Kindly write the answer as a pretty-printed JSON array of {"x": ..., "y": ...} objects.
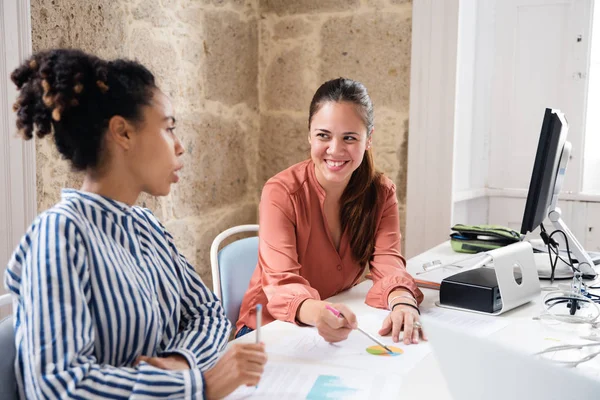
[{"x": 105, "y": 306}]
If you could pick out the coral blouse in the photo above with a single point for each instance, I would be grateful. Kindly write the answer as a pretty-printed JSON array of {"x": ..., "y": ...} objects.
[{"x": 297, "y": 259}]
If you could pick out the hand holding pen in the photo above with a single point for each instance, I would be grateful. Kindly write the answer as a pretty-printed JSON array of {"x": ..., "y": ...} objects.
[
  {"x": 332, "y": 328},
  {"x": 338, "y": 314}
]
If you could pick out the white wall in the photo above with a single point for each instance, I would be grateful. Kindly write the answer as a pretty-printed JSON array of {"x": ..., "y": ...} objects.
[
  {"x": 506, "y": 53},
  {"x": 542, "y": 54},
  {"x": 538, "y": 63},
  {"x": 591, "y": 176}
]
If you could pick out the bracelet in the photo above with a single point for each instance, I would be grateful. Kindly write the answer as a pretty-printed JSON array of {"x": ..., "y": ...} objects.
[
  {"x": 406, "y": 304},
  {"x": 398, "y": 297}
]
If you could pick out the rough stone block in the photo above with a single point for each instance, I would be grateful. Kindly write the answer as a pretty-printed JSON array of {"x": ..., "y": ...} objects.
[
  {"x": 194, "y": 236},
  {"x": 192, "y": 15},
  {"x": 80, "y": 24},
  {"x": 285, "y": 83},
  {"x": 53, "y": 174},
  {"x": 188, "y": 93},
  {"x": 387, "y": 138},
  {"x": 374, "y": 49},
  {"x": 283, "y": 142},
  {"x": 237, "y": 4},
  {"x": 215, "y": 171},
  {"x": 291, "y": 28},
  {"x": 231, "y": 49},
  {"x": 153, "y": 12},
  {"x": 282, "y": 7},
  {"x": 156, "y": 54},
  {"x": 390, "y": 148}
]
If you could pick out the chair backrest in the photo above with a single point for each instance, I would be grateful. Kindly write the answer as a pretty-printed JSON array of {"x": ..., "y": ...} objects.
[
  {"x": 8, "y": 382},
  {"x": 232, "y": 268}
]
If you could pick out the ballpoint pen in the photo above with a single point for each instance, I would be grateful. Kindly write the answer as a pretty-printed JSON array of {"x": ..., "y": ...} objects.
[
  {"x": 258, "y": 324},
  {"x": 339, "y": 314}
]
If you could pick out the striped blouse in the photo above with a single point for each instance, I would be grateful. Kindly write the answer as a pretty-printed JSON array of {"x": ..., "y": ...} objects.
[{"x": 97, "y": 283}]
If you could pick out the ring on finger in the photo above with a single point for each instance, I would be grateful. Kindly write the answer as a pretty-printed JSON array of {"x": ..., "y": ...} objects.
[{"x": 417, "y": 325}]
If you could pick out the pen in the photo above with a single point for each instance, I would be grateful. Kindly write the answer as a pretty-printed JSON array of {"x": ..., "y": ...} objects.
[
  {"x": 258, "y": 322},
  {"x": 339, "y": 314}
]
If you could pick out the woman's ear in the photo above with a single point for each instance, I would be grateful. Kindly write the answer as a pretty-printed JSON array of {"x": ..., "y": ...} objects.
[
  {"x": 370, "y": 139},
  {"x": 119, "y": 131}
]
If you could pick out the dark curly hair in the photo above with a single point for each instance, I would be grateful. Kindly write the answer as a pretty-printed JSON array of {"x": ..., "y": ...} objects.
[{"x": 74, "y": 95}]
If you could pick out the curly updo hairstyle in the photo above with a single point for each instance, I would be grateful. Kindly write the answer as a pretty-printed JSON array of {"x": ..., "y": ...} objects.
[{"x": 74, "y": 95}]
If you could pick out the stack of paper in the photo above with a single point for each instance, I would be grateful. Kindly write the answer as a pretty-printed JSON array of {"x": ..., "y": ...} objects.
[{"x": 432, "y": 278}]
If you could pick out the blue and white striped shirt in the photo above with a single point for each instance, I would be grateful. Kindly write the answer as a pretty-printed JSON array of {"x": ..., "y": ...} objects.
[{"x": 97, "y": 283}]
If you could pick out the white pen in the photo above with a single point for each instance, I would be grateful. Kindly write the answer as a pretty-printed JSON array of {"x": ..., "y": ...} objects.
[
  {"x": 373, "y": 338},
  {"x": 258, "y": 324},
  {"x": 258, "y": 321}
]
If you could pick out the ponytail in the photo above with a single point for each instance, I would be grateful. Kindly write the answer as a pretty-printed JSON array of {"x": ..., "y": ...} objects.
[{"x": 358, "y": 208}]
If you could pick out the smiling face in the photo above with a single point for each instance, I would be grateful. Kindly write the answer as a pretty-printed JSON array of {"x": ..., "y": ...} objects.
[{"x": 338, "y": 141}]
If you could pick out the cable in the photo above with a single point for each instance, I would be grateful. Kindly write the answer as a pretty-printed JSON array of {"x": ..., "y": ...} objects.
[
  {"x": 554, "y": 248},
  {"x": 570, "y": 263}
]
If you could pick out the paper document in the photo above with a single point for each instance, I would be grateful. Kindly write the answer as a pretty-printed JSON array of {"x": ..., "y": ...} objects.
[
  {"x": 432, "y": 278},
  {"x": 314, "y": 382},
  {"x": 474, "y": 324},
  {"x": 307, "y": 344}
]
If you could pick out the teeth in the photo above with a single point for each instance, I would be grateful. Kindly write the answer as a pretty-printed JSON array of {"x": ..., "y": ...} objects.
[{"x": 335, "y": 163}]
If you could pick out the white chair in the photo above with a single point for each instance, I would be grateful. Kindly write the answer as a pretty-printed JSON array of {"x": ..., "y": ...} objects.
[
  {"x": 232, "y": 268},
  {"x": 8, "y": 382}
]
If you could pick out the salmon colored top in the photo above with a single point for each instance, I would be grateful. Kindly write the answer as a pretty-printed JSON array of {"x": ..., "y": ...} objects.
[{"x": 297, "y": 259}]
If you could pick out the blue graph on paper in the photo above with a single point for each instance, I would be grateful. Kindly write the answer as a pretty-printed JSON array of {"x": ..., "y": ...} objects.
[{"x": 329, "y": 387}]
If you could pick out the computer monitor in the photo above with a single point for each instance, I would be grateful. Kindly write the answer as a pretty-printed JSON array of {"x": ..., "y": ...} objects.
[{"x": 547, "y": 178}]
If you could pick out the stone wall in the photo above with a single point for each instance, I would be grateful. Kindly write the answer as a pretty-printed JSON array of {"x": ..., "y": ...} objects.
[
  {"x": 241, "y": 74},
  {"x": 304, "y": 43},
  {"x": 205, "y": 56}
]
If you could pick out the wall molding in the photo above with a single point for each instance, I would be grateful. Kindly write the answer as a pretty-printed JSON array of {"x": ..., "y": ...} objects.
[{"x": 18, "y": 205}]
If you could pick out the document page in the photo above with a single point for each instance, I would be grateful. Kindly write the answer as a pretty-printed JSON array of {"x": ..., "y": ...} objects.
[
  {"x": 308, "y": 381},
  {"x": 473, "y": 323},
  {"x": 306, "y": 344}
]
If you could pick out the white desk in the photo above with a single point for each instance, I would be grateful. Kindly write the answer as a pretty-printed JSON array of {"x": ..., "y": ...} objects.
[{"x": 426, "y": 381}]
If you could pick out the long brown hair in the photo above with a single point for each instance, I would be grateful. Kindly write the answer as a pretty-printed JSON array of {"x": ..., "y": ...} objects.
[{"x": 358, "y": 204}]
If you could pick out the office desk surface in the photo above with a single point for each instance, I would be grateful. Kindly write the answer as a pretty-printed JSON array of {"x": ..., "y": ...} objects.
[{"x": 426, "y": 381}]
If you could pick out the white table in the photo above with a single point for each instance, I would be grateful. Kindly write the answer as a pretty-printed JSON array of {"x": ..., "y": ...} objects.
[{"x": 426, "y": 381}]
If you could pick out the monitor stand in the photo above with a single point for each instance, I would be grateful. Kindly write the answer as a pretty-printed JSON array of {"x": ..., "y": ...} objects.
[
  {"x": 542, "y": 263},
  {"x": 584, "y": 261}
]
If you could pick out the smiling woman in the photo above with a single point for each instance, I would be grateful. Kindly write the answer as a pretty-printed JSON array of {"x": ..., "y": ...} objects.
[{"x": 322, "y": 221}]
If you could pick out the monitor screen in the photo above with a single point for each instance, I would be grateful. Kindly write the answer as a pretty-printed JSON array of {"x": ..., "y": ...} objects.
[{"x": 545, "y": 169}]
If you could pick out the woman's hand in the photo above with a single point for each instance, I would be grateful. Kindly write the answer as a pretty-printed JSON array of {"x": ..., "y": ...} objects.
[
  {"x": 242, "y": 364},
  {"x": 335, "y": 329},
  {"x": 403, "y": 318},
  {"x": 173, "y": 362}
]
